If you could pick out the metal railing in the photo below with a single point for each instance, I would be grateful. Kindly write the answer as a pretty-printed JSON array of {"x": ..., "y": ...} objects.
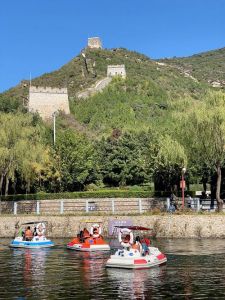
[
  {"x": 79, "y": 206},
  {"x": 106, "y": 205}
]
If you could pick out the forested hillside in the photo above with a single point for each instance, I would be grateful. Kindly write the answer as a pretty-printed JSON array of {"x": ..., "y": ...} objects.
[
  {"x": 139, "y": 130},
  {"x": 207, "y": 67}
]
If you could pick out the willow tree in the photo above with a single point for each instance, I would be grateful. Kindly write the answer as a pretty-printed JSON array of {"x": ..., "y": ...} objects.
[
  {"x": 167, "y": 159},
  {"x": 20, "y": 147},
  {"x": 204, "y": 131}
]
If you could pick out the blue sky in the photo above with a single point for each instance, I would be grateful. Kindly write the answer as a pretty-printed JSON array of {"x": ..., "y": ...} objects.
[{"x": 39, "y": 36}]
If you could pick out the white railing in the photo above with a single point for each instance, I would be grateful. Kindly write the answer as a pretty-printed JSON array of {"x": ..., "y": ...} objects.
[
  {"x": 106, "y": 205},
  {"x": 81, "y": 206}
]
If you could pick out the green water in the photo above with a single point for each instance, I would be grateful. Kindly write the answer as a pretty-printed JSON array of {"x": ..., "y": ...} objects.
[{"x": 195, "y": 270}]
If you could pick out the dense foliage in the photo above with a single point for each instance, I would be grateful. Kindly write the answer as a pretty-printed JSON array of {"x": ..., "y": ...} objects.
[{"x": 139, "y": 130}]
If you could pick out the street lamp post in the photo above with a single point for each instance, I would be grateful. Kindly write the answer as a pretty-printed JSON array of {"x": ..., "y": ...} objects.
[
  {"x": 183, "y": 184},
  {"x": 54, "y": 129}
]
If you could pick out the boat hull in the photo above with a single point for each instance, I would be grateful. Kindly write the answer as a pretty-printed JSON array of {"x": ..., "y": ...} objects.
[
  {"x": 84, "y": 248},
  {"x": 115, "y": 263},
  {"x": 31, "y": 244},
  {"x": 132, "y": 259}
]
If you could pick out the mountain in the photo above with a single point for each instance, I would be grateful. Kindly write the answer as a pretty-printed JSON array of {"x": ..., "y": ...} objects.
[
  {"x": 144, "y": 99},
  {"x": 207, "y": 67}
]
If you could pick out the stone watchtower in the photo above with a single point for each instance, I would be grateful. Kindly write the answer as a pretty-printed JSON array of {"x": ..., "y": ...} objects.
[
  {"x": 116, "y": 70},
  {"x": 95, "y": 43},
  {"x": 47, "y": 100}
]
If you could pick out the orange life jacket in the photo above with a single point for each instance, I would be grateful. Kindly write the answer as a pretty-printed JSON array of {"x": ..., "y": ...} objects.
[{"x": 28, "y": 233}]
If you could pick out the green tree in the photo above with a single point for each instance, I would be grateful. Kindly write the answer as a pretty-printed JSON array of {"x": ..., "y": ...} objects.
[
  {"x": 76, "y": 160},
  {"x": 209, "y": 124},
  {"x": 20, "y": 148},
  {"x": 122, "y": 161},
  {"x": 166, "y": 159}
]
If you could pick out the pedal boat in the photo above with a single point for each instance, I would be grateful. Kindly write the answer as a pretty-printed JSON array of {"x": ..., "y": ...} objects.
[
  {"x": 37, "y": 241},
  {"x": 133, "y": 255},
  {"x": 89, "y": 241}
]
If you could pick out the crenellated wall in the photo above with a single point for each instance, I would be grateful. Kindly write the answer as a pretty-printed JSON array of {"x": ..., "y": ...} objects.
[
  {"x": 47, "y": 100},
  {"x": 40, "y": 89}
]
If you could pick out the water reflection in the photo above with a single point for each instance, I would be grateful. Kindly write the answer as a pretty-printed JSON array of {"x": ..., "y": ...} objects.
[
  {"x": 194, "y": 246},
  {"x": 32, "y": 262},
  {"x": 91, "y": 267},
  {"x": 195, "y": 270},
  {"x": 134, "y": 284}
]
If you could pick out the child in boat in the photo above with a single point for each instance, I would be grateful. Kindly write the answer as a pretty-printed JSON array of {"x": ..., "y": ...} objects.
[{"x": 28, "y": 234}]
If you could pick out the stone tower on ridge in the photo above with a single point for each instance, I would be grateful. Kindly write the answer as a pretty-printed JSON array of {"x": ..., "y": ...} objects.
[
  {"x": 95, "y": 43},
  {"x": 116, "y": 70}
]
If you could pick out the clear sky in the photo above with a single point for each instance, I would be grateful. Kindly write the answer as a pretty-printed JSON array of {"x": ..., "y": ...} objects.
[{"x": 39, "y": 36}]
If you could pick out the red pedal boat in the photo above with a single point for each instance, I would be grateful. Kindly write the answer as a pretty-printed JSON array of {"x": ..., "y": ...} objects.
[{"x": 89, "y": 240}]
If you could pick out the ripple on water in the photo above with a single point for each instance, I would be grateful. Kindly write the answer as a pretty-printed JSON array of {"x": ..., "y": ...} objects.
[{"x": 195, "y": 270}]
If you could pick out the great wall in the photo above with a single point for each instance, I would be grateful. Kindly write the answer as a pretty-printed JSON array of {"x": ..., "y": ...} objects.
[{"x": 47, "y": 100}]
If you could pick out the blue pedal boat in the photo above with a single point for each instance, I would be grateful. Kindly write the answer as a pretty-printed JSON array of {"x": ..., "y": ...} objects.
[{"x": 31, "y": 235}]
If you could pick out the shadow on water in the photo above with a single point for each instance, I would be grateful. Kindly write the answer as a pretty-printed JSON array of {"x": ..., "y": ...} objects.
[{"x": 195, "y": 270}]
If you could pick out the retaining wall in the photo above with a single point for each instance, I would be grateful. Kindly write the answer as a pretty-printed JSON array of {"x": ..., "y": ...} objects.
[{"x": 166, "y": 226}]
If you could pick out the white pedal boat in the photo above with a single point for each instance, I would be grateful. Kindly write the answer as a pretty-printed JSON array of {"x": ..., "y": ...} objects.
[{"x": 134, "y": 254}]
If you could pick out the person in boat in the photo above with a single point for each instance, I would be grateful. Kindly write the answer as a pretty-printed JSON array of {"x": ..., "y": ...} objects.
[
  {"x": 137, "y": 244},
  {"x": 81, "y": 236},
  {"x": 96, "y": 233},
  {"x": 95, "y": 230},
  {"x": 84, "y": 234},
  {"x": 18, "y": 232},
  {"x": 126, "y": 241},
  {"x": 145, "y": 244},
  {"x": 35, "y": 231},
  {"x": 28, "y": 234}
]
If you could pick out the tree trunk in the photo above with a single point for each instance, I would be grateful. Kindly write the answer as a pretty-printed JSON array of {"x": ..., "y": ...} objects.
[
  {"x": 6, "y": 185},
  {"x": 218, "y": 187},
  {"x": 1, "y": 183},
  {"x": 204, "y": 186}
]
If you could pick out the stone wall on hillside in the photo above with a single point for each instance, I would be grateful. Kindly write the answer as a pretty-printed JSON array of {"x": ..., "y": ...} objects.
[{"x": 47, "y": 100}]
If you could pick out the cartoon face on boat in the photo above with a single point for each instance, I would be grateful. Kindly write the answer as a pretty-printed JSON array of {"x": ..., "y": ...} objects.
[
  {"x": 31, "y": 235},
  {"x": 89, "y": 240},
  {"x": 136, "y": 252}
]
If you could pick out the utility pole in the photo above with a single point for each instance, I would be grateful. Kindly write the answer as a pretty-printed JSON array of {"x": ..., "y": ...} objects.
[
  {"x": 54, "y": 128},
  {"x": 183, "y": 185}
]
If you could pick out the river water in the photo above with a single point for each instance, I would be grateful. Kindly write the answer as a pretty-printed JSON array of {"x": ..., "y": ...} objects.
[{"x": 195, "y": 270}]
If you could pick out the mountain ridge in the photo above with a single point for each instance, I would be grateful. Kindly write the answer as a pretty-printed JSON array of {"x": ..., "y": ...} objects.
[{"x": 143, "y": 98}]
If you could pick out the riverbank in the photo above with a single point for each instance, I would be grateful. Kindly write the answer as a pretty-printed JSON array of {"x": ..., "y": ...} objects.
[{"x": 166, "y": 226}]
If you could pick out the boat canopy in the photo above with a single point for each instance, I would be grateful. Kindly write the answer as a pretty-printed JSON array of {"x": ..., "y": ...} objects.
[
  {"x": 134, "y": 227},
  {"x": 93, "y": 222},
  {"x": 32, "y": 223}
]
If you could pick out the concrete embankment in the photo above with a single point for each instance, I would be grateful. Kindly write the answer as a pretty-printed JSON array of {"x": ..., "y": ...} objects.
[{"x": 168, "y": 226}]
